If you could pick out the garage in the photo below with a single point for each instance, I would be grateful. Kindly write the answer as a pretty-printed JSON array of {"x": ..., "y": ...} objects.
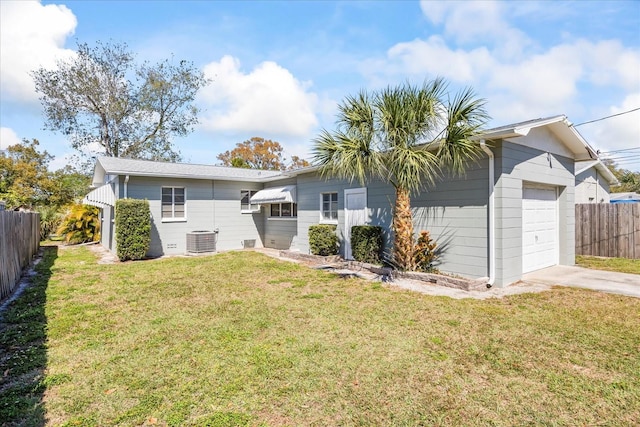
[{"x": 539, "y": 227}]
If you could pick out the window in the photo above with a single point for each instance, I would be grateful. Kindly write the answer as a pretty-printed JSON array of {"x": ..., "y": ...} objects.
[
  {"x": 173, "y": 203},
  {"x": 329, "y": 207},
  {"x": 245, "y": 204},
  {"x": 283, "y": 210}
]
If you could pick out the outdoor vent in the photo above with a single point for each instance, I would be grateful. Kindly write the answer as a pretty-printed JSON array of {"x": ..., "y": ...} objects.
[
  {"x": 201, "y": 241},
  {"x": 249, "y": 243}
]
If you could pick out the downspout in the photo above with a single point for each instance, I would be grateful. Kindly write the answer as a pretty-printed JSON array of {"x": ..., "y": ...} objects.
[
  {"x": 126, "y": 186},
  {"x": 492, "y": 216}
]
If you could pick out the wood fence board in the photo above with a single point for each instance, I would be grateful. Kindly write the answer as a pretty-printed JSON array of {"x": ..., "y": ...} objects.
[
  {"x": 19, "y": 241},
  {"x": 608, "y": 230}
]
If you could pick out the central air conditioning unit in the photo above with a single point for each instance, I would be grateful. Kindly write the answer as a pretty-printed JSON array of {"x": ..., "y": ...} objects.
[{"x": 201, "y": 241}]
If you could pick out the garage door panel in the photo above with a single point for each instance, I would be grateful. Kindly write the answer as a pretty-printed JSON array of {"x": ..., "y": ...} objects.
[{"x": 539, "y": 228}]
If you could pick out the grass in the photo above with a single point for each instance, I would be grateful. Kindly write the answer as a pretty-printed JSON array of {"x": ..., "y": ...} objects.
[
  {"x": 622, "y": 265},
  {"x": 239, "y": 339}
]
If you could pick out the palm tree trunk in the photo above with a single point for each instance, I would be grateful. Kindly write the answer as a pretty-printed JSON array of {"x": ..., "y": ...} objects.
[{"x": 403, "y": 231}]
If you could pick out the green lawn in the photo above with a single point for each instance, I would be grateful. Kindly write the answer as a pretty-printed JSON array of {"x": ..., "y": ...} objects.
[
  {"x": 622, "y": 265},
  {"x": 242, "y": 339}
]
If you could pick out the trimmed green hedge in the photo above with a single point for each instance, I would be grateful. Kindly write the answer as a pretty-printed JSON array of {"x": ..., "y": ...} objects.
[
  {"x": 133, "y": 228},
  {"x": 323, "y": 239},
  {"x": 366, "y": 243}
]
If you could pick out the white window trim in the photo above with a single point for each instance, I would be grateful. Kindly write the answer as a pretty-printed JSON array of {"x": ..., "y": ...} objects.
[
  {"x": 256, "y": 208},
  {"x": 323, "y": 220},
  {"x": 174, "y": 219}
]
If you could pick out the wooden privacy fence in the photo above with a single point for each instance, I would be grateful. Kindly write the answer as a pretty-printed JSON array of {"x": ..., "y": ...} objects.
[
  {"x": 608, "y": 230},
  {"x": 19, "y": 241}
]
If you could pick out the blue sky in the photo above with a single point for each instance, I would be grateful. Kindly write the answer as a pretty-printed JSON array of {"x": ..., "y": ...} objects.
[{"x": 280, "y": 68}]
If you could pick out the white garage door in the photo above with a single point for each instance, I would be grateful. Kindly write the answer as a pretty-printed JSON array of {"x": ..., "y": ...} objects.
[{"x": 539, "y": 228}]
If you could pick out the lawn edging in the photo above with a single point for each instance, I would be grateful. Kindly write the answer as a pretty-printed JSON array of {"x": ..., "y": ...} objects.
[{"x": 388, "y": 273}]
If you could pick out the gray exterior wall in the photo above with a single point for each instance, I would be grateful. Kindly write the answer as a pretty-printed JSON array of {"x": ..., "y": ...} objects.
[
  {"x": 209, "y": 205},
  {"x": 454, "y": 211},
  {"x": 279, "y": 233},
  {"x": 516, "y": 165},
  {"x": 592, "y": 187},
  {"x": 107, "y": 237}
]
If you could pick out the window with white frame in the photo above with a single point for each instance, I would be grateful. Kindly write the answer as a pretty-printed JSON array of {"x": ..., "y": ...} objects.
[
  {"x": 283, "y": 210},
  {"x": 245, "y": 201},
  {"x": 329, "y": 206},
  {"x": 173, "y": 203}
]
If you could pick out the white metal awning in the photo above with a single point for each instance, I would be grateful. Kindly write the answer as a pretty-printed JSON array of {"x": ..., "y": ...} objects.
[
  {"x": 101, "y": 197},
  {"x": 286, "y": 194}
]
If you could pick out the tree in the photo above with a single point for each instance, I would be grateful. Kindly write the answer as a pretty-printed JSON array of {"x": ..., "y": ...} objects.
[
  {"x": 101, "y": 96},
  {"x": 70, "y": 185},
  {"x": 260, "y": 153},
  {"x": 404, "y": 135},
  {"x": 629, "y": 180},
  {"x": 25, "y": 180}
]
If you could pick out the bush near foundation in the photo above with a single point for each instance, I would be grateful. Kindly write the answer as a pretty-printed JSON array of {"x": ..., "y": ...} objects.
[
  {"x": 366, "y": 243},
  {"x": 323, "y": 239},
  {"x": 133, "y": 228}
]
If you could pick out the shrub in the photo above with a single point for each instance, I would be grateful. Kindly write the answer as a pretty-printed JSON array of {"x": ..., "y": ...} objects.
[
  {"x": 81, "y": 225},
  {"x": 50, "y": 221},
  {"x": 424, "y": 253},
  {"x": 323, "y": 239},
  {"x": 133, "y": 228},
  {"x": 366, "y": 243}
]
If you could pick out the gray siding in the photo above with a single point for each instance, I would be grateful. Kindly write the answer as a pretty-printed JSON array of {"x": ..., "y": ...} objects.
[
  {"x": 107, "y": 237},
  {"x": 592, "y": 187},
  {"x": 209, "y": 205},
  {"x": 280, "y": 233},
  {"x": 454, "y": 211},
  {"x": 517, "y": 165},
  {"x": 236, "y": 227}
]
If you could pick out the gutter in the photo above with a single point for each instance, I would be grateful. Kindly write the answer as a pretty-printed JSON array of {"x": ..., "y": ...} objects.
[
  {"x": 126, "y": 186},
  {"x": 492, "y": 216}
]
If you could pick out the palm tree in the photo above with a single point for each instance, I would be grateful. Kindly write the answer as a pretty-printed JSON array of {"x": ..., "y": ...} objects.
[{"x": 405, "y": 135}]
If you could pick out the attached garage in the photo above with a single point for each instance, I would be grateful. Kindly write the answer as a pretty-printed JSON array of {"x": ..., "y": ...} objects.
[{"x": 539, "y": 227}]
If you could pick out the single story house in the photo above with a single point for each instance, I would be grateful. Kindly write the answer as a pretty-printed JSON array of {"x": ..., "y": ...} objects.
[
  {"x": 593, "y": 181},
  {"x": 629, "y": 197},
  {"x": 512, "y": 213}
]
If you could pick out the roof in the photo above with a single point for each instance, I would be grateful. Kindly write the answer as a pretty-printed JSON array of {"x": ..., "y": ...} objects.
[
  {"x": 582, "y": 166},
  {"x": 625, "y": 197},
  {"x": 120, "y": 166},
  {"x": 559, "y": 125}
]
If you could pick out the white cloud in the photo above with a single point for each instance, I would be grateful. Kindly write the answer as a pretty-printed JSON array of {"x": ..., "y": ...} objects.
[
  {"x": 31, "y": 36},
  {"x": 474, "y": 21},
  {"x": 521, "y": 80},
  {"x": 434, "y": 57},
  {"x": 267, "y": 101},
  {"x": 8, "y": 137},
  {"x": 617, "y": 133}
]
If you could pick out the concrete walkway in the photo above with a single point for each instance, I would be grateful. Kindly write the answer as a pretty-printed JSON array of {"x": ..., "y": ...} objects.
[{"x": 605, "y": 281}]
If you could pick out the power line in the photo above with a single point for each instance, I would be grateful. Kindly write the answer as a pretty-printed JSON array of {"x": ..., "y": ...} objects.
[
  {"x": 607, "y": 117},
  {"x": 618, "y": 151}
]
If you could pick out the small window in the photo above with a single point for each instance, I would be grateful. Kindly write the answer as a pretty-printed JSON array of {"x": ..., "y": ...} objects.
[
  {"x": 329, "y": 206},
  {"x": 283, "y": 210},
  {"x": 173, "y": 203},
  {"x": 245, "y": 204}
]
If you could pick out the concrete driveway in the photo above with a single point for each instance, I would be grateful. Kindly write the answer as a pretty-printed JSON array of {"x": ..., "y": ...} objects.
[{"x": 605, "y": 281}]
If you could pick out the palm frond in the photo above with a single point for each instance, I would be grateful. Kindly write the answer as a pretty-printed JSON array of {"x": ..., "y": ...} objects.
[{"x": 466, "y": 115}]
